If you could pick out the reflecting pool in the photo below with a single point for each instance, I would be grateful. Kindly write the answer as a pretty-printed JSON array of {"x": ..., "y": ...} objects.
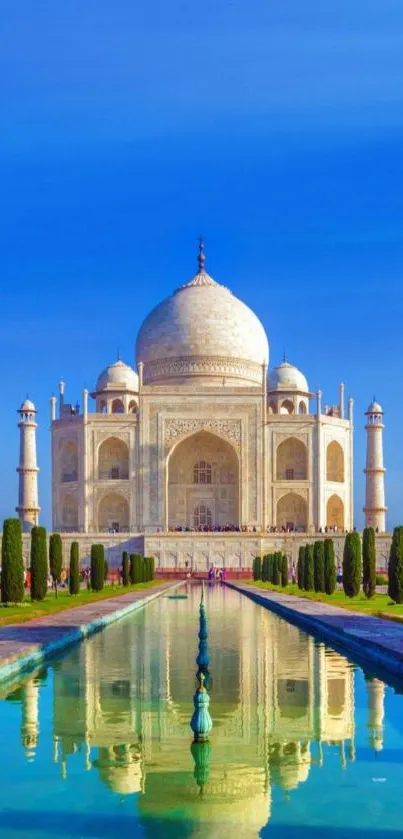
[{"x": 99, "y": 745}]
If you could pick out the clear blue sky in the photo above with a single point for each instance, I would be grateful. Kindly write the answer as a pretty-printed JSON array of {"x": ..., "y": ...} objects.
[{"x": 276, "y": 129}]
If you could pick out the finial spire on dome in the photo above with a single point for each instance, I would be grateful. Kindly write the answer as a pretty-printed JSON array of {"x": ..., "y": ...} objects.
[
  {"x": 118, "y": 355},
  {"x": 201, "y": 259},
  {"x": 284, "y": 357}
]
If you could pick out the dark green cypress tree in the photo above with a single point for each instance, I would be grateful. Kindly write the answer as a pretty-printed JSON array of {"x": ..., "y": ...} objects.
[
  {"x": 125, "y": 568},
  {"x": 39, "y": 564},
  {"x": 55, "y": 558},
  {"x": 12, "y": 565},
  {"x": 395, "y": 567},
  {"x": 308, "y": 569},
  {"x": 319, "y": 565},
  {"x": 106, "y": 570},
  {"x": 257, "y": 568},
  {"x": 277, "y": 563},
  {"x": 270, "y": 568},
  {"x": 132, "y": 574},
  {"x": 146, "y": 569},
  {"x": 284, "y": 571},
  {"x": 138, "y": 568},
  {"x": 152, "y": 567},
  {"x": 352, "y": 564},
  {"x": 301, "y": 567},
  {"x": 330, "y": 566},
  {"x": 264, "y": 569},
  {"x": 369, "y": 562},
  {"x": 97, "y": 568},
  {"x": 74, "y": 569}
]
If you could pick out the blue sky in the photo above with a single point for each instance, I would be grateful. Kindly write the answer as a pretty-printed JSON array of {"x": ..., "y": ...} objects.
[{"x": 275, "y": 129}]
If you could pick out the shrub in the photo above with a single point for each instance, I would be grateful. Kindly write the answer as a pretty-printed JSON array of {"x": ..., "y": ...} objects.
[
  {"x": 97, "y": 569},
  {"x": 55, "y": 558},
  {"x": 330, "y": 566},
  {"x": 301, "y": 567},
  {"x": 39, "y": 564},
  {"x": 131, "y": 568},
  {"x": 257, "y": 568},
  {"x": 395, "y": 568},
  {"x": 308, "y": 568},
  {"x": 284, "y": 571},
  {"x": 319, "y": 565},
  {"x": 74, "y": 569},
  {"x": 352, "y": 564},
  {"x": 12, "y": 565},
  {"x": 381, "y": 580},
  {"x": 125, "y": 568},
  {"x": 368, "y": 562}
]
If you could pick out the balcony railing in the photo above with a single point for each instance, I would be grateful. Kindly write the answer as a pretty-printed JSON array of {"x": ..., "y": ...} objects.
[
  {"x": 292, "y": 475},
  {"x": 114, "y": 474},
  {"x": 68, "y": 477}
]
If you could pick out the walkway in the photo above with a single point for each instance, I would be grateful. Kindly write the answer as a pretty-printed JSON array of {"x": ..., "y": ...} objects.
[
  {"x": 370, "y": 640},
  {"x": 26, "y": 645}
]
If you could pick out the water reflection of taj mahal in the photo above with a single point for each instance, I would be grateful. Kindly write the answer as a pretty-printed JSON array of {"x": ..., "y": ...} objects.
[{"x": 278, "y": 698}]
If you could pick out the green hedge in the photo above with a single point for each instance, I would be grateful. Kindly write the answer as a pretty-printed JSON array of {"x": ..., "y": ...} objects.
[
  {"x": 301, "y": 567},
  {"x": 55, "y": 558},
  {"x": 395, "y": 567},
  {"x": 12, "y": 565},
  {"x": 284, "y": 571},
  {"x": 74, "y": 569},
  {"x": 125, "y": 568},
  {"x": 368, "y": 562},
  {"x": 308, "y": 568},
  {"x": 97, "y": 568},
  {"x": 39, "y": 564},
  {"x": 319, "y": 565},
  {"x": 330, "y": 566},
  {"x": 352, "y": 565},
  {"x": 257, "y": 568}
]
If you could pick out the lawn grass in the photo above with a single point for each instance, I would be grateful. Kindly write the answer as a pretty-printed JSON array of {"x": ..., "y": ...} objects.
[
  {"x": 28, "y": 610},
  {"x": 380, "y": 605}
]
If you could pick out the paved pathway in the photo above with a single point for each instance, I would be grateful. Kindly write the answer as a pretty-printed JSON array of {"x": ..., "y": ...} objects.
[
  {"x": 374, "y": 640},
  {"x": 27, "y": 644}
]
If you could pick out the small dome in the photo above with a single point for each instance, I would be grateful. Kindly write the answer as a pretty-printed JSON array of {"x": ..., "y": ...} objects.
[
  {"x": 118, "y": 376},
  {"x": 202, "y": 331},
  {"x": 28, "y": 406},
  {"x": 287, "y": 377},
  {"x": 374, "y": 408}
]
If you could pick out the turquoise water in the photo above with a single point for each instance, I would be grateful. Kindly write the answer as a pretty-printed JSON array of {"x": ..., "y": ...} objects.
[{"x": 98, "y": 744}]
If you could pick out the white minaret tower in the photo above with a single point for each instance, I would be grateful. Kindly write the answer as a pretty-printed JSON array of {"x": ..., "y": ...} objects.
[
  {"x": 28, "y": 509},
  {"x": 375, "y": 509}
]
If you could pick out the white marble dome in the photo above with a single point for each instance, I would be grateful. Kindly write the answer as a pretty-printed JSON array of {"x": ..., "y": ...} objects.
[
  {"x": 28, "y": 406},
  {"x": 286, "y": 377},
  {"x": 118, "y": 376},
  {"x": 374, "y": 408},
  {"x": 202, "y": 331}
]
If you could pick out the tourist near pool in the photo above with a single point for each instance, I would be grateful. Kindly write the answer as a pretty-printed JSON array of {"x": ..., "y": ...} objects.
[{"x": 99, "y": 743}]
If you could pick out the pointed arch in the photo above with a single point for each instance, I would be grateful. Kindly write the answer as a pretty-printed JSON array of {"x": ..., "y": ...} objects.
[
  {"x": 113, "y": 460},
  {"x": 292, "y": 460},
  {"x": 292, "y": 512},
  {"x": 113, "y": 513},
  {"x": 335, "y": 462},
  {"x": 335, "y": 512},
  {"x": 69, "y": 462}
]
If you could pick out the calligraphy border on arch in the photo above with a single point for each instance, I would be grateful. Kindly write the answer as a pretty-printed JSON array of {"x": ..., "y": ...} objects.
[{"x": 175, "y": 429}]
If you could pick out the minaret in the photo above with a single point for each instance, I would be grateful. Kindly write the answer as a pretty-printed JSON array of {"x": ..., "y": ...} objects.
[
  {"x": 28, "y": 509},
  {"x": 375, "y": 509},
  {"x": 376, "y": 712}
]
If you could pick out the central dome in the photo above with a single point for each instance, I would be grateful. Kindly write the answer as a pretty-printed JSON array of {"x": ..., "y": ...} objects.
[{"x": 202, "y": 332}]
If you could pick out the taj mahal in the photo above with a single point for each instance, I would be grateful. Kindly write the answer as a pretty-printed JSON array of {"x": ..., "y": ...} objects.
[{"x": 203, "y": 437}]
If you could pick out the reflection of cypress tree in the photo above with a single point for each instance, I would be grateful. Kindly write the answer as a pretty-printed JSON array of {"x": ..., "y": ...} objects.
[
  {"x": 203, "y": 658},
  {"x": 201, "y": 755}
]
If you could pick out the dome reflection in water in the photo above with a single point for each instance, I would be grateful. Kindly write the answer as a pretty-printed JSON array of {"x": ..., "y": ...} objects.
[{"x": 298, "y": 735}]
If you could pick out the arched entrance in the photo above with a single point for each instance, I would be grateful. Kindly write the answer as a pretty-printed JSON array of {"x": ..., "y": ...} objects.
[
  {"x": 203, "y": 484},
  {"x": 113, "y": 513},
  {"x": 335, "y": 513},
  {"x": 292, "y": 512}
]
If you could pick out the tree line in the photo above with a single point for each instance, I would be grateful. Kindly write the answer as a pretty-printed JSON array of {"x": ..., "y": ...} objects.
[
  {"x": 45, "y": 562},
  {"x": 316, "y": 567}
]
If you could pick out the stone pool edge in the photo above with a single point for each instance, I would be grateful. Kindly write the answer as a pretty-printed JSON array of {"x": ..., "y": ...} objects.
[
  {"x": 362, "y": 651},
  {"x": 33, "y": 658}
]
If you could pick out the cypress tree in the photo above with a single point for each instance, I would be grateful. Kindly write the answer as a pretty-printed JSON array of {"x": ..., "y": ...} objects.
[
  {"x": 132, "y": 574},
  {"x": 39, "y": 564},
  {"x": 138, "y": 568},
  {"x": 301, "y": 567},
  {"x": 55, "y": 558},
  {"x": 369, "y": 561},
  {"x": 270, "y": 568},
  {"x": 319, "y": 565},
  {"x": 74, "y": 569},
  {"x": 152, "y": 567},
  {"x": 308, "y": 568},
  {"x": 395, "y": 567},
  {"x": 125, "y": 568},
  {"x": 106, "y": 570},
  {"x": 257, "y": 568},
  {"x": 277, "y": 563},
  {"x": 265, "y": 569},
  {"x": 97, "y": 568},
  {"x": 12, "y": 565},
  {"x": 330, "y": 566},
  {"x": 146, "y": 569},
  {"x": 352, "y": 564},
  {"x": 284, "y": 571}
]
